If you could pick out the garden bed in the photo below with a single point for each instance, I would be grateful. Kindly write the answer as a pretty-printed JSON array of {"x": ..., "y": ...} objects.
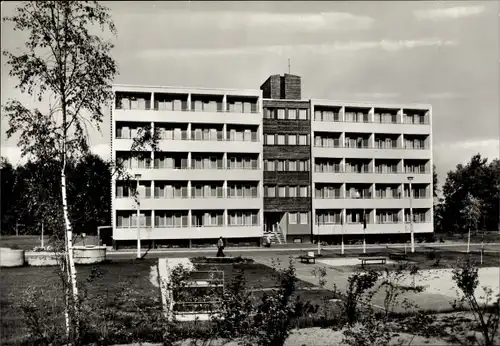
[
  {"x": 256, "y": 275},
  {"x": 221, "y": 260}
]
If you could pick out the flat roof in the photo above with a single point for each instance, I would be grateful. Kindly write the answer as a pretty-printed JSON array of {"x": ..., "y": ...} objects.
[
  {"x": 370, "y": 104},
  {"x": 185, "y": 90}
]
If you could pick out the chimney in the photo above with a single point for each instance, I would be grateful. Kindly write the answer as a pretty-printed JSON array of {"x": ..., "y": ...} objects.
[{"x": 286, "y": 87}]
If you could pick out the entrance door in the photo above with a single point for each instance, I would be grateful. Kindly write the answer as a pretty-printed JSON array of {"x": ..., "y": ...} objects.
[{"x": 271, "y": 221}]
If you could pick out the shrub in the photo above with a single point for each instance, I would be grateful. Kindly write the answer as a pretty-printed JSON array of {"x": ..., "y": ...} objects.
[
  {"x": 357, "y": 285},
  {"x": 487, "y": 314}
]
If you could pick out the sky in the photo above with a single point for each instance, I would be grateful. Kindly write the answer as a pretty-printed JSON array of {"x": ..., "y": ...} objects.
[{"x": 441, "y": 53}]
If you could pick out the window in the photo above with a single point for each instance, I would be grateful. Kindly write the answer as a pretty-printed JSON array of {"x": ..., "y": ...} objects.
[
  {"x": 292, "y": 114},
  {"x": 303, "y": 191},
  {"x": 242, "y": 218},
  {"x": 292, "y": 191},
  {"x": 303, "y": 114},
  {"x": 303, "y": 218},
  {"x": 281, "y": 113},
  {"x": 292, "y": 140},
  {"x": 292, "y": 165},
  {"x": 269, "y": 140},
  {"x": 280, "y": 165},
  {"x": 317, "y": 116},
  {"x": 270, "y": 191},
  {"x": 304, "y": 165},
  {"x": 269, "y": 165},
  {"x": 302, "y": 139},
  {"x": 281, "y": 191},
  {"x": 268, "y": 113},
  {"x": 387, "y": 216},
  {"x": 281, "y": 140},
  {"x": 247, "y": 136},
  {"x": 292, "y": 218}
]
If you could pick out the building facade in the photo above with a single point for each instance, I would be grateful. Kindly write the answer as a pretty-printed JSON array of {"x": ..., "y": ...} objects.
[
  {"x": 240, "y": 163},
  {"x": 287, "y": 159},
  {"x": 365, "y": 157},
  {"x": 206, "y": 178}
]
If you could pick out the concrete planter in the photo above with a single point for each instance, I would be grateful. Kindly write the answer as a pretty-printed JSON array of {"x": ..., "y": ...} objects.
[
  {"x": 42, "y": 259},
  {"x": 89, "y": 254},
  {"x": 11, "y": 257}
]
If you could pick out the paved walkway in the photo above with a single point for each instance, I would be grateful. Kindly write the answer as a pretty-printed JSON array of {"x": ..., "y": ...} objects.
[
  {"x": 305, "y": 247},
  {"x": 338, "y": 276}
]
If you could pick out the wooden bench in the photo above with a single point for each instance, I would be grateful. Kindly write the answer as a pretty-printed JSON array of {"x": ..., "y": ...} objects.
[
  {"x": 372, "y": 260},
  {"x": 307, "y": 259},
  {"x": 398, "y": 256}
]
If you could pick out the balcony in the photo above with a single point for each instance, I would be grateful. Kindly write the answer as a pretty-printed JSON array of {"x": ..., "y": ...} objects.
[
  {"x": 133, "y": 101},
  {"x": 160, "y": 115},
  {"x": 387, "y": 116},
  {"x": 357, "y": 115},
  {"x": 394, "y": 228},
  {"x": 327, "y": 114},
  {"x": 207, "y": 103}
]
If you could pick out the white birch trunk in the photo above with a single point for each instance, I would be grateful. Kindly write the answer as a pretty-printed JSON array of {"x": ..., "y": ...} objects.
[
  {"x": 65, "y": 271},
  {"x": 69, "y": 240}
]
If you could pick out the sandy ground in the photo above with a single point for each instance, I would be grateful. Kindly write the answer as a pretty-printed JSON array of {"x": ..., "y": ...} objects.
[
  {"x": 185, "y": 262},
  {"x": 153, "y": 276},
  {"x": 440, "y": 281},
  {"x": 437, "y": 281},
  {"x": 324, "y": 337}
]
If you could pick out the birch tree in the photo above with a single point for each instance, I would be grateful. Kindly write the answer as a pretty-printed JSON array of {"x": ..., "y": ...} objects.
[{"x": 66, "y": 62}]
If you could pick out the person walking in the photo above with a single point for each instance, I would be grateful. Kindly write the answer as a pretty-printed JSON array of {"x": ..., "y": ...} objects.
[{"x": 220, "y": 247}]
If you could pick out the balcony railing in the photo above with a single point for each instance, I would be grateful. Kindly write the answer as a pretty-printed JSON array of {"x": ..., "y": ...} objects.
[
  {"x": 212, "y": 136},
  {"x": 216, "y": 138},
  {"x": 184, "y": 106},
  {"x": 378, "y": 195},
  {"x": 413, "y": 147},
  {"x": 375, "y": 146},
  {"x": 320, "y": 196},
  {"x": 172, "y": 226},
  {"x": 369, "y": 223},
  {"x": 133, "y": 226}
]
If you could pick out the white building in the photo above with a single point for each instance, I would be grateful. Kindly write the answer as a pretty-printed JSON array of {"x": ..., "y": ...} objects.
[
  {"x": 206, "y": 179},
  {"x": 362, "y": 157}
]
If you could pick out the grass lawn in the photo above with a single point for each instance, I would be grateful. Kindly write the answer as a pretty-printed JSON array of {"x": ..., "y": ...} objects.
[
  {"x": 476, "y": 237},
  {"x": 23, "y": 242},
  {"x": 14, "y": 281}
]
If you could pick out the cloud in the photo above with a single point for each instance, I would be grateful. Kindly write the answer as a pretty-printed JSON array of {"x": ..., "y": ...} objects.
[
  {"x": 442, "y": 95},
  {"x": 448, "y": 13},
  {"x": 490, "y": 147},
  {"x": 308, "y": 22},
  {"x": 346, "y": 46},
  {"x": 252, "y": 20},
  {"x": 369, "y": 95}
]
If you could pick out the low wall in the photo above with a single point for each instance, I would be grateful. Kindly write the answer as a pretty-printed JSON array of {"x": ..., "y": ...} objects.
[
  {"x": 42, "y": 259},
  {"x": 11, "y": 257},
  {"x": 89, "y": 254},
  {"x": 81, "y": 255}
]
